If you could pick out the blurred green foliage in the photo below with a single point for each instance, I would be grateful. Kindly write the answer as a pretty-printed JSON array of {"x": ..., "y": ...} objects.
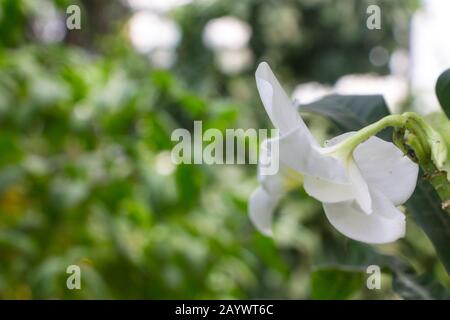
[{"x": 85, "y": 170}]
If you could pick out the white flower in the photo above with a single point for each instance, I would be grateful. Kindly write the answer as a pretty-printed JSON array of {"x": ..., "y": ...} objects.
[
  {"x": 155, "y": 5},
  {"x": 226, "y": 33},
  {"x": 359, "y": 188},
  {"x": 149, "y": 31}
]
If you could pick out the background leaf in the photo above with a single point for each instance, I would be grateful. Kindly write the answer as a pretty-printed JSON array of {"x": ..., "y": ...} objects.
[
  {"x": 348, "y": 262},
  {"x": 443, "y": 91},
  {"x": 352, "y": 112},
  {"x": 424, "y": 287},
  {"x": 424, "y": 206}
]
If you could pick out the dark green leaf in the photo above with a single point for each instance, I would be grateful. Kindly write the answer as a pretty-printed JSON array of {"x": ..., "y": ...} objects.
[
  {"x": 354, "y": 257},
  {"x": 412, "y": 287},
  {"x": 443, "y": 91},
  {"x": 424, "y": 206},
  {"x": 351, "y": 113}
]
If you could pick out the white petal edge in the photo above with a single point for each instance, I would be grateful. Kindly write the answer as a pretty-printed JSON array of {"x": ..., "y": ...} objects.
[
  {"x": 386, "y": 223},
  {"x": 359, "y": 187},
  {"x": 284, "y": 180},
  {"x": 387, "y": 169},
  {"x": 356, "y": 189},
  {"x": 261, "y": 208},
  {"x": 279, "y": 107}
]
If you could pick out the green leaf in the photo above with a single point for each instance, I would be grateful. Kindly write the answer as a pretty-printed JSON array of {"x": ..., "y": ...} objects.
[
  {"x": 352, "y": 112},
  {"x": 354, "y": 257},
  {"x": 413, "y": 287},
  {"x": 425, "y": 209},
  {"x": 443, "y": 91},
  {"x": 335, "y": 283},
  {"x": 408, "y": 284}
]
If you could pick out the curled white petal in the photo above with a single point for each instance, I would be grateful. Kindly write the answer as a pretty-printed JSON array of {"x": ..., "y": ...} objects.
[
  {"x": 384, "y": 167},
  {"x": 387, "y": 169},
  {"x": 279, "y": 107},
  {"x": 261, "y": 208},
  {"x": 359, "y": 187},
  {"x": 332, "y": 192},
  {"x": 385, "y": 224},
  {"x": 356, "y": 189}
]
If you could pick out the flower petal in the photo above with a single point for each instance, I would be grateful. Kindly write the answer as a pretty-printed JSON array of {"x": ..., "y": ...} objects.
[
  {"x": 279, "y": 107},
  {"x": 273, "y": 184},
  {"x": 331, "y": 192},
  {"x": 284, "y": 180},
  {"x": 296, "y": 152},
  {"x": 385, "y": 224},
  {"x": 359, "y": 187},
  {"x": 326, "y": 191},
  {"x": 385, "y": 168},
  {"x": 261, "y": 208}
]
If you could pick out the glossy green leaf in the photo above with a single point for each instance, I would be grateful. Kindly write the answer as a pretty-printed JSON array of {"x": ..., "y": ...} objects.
[
  {"x": 352, "y": 112},
  {"x": 354, "y": 257},
  {"x": 424, "y": 206},
  {"x": 443, "y": 91},
  {"x": 413, "y": 287}
]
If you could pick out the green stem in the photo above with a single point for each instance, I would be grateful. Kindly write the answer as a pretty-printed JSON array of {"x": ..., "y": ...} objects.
[
  {"x": 437, "y": 178},
  {"x": 347, "y": 146}
]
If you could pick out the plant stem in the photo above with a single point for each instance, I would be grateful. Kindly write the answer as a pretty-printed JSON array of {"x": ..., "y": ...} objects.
[
  {"x": 438, "y": 180},
  {"x": 415, "y": 149},
  {"x": 346, "y": 147}
]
